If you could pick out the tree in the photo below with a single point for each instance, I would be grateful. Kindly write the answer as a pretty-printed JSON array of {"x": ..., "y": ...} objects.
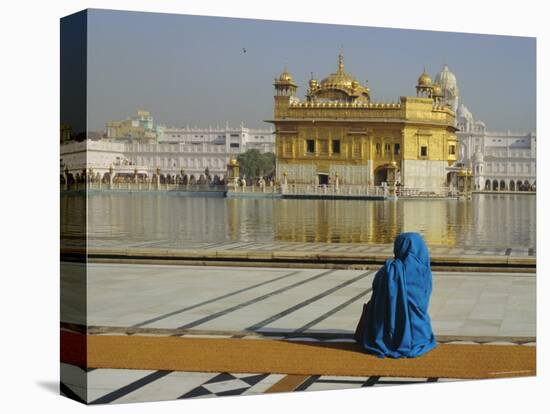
[{"x": 254, "y": 164}]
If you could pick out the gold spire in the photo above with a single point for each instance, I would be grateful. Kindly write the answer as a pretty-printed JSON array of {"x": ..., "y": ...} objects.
[{"x": 340, "y": 62}]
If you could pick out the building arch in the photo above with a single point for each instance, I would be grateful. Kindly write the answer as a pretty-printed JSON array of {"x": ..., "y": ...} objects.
[
  {"x": 502, "y": 185},
  {"x": 495, "y": 185},
  {"x": 487, "y": 185},
  {"x": 381, "y": 175},
  {"x": 512, "y": 185}
]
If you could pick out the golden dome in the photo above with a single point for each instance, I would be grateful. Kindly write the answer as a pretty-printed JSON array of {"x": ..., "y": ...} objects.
[
  {"x": 340, "y": 86},
  {"x": 339, "y": 79},
  {"x": 313, "y": 83},
  {"x": 424, "y": 79},
  {"x": 233, "y": 161},
  {"x": 285, "y": 76},
  {"x": 437, "y": 91}
]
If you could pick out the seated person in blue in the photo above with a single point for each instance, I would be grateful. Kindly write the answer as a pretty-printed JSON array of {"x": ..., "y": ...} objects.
[{"x": 395, "y": 322}]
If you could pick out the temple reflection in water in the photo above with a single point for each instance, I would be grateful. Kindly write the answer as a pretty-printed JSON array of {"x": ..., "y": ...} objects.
[{"x": 489, "y": 221}]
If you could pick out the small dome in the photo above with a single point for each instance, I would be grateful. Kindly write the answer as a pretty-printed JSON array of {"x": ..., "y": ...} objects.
[
  {"x": 285, "y": 76},
  {"x": 424, "y": 79},
  {"x": 313, "y": 83},
  {"x": 437, "y": 91}
]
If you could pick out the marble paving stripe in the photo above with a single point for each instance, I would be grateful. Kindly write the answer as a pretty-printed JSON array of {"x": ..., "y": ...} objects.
[
  {"x": 371, "y": 381},
  {"x": 306, "y": 302},
  {"x": 228, "y": 245},
  {"x": 241, "y": 246},
  {"x": 307, "y": 383},
  {"x": 217, "y": 244},
  {"x": 333, "y": 311},
  {"x": 206, "y": 302},
  {"x": 252, "y": 301},
  {"x": 114, "y": 395},
  {"x": 340, "y": 249}
]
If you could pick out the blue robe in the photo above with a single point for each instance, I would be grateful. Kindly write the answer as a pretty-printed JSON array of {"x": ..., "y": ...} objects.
[{"x": 395, "y": 322}]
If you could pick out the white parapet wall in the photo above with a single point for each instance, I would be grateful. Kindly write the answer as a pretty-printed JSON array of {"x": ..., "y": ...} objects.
[
  {"x": 423, "y": 173},
  {"x": 352, "y": 174},
  {"x": 301, "y": 173}
]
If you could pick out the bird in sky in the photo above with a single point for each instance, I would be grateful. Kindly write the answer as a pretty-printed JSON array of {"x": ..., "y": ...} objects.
[{"x": 244, "y": 50}]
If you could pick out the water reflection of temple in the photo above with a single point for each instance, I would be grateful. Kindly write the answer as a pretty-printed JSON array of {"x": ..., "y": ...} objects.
[
  {"x": 492, "y": 221},
  {"x": 371, "y": 222}
]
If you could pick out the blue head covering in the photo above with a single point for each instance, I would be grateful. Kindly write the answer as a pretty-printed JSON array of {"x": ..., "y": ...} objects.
[{"x": 395, "y": 322}]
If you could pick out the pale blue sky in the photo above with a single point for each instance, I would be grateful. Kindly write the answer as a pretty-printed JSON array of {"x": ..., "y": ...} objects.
[{"x": 192, "y": 70}]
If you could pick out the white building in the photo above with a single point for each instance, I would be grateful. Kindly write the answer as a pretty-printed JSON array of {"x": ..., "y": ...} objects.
[
  {"x": 235, "y": 140},
  {"x": 193, "y": 150},
  {"x": 502, "y": 161},
  {"x": 125, "y": 158}
]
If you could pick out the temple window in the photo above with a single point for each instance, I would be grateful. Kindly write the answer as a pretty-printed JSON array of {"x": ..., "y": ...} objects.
[
  {"x": 423, "y": 151},
  {"x": 451, "y": 149},
  {"x": 397, "y": 149},
  {"x": 336, "y": 146},
  {"x": 310, "y": 146}
]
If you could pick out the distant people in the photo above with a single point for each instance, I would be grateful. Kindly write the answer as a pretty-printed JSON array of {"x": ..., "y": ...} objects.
[{"x": 395, "y": 322}]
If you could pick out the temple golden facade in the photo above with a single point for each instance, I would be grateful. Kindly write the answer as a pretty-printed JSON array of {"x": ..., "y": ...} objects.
[{"x": 337, "y": 132}]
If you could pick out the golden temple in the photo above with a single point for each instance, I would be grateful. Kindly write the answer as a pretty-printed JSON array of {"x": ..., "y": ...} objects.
[{"x": 337, "y": 131}]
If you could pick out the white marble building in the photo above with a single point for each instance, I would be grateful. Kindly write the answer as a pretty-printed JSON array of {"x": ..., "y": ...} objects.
[
  {"x": 236, "y": 140},
  {"x": 190, "y": 149},
  {"x": 126, "y": 158},
  {"x": 502, "y": 161}
]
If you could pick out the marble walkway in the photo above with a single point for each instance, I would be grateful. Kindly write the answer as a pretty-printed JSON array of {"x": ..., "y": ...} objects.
[
  {"x": 269, "y": 303},
  {"x": 305, "y": 301}
]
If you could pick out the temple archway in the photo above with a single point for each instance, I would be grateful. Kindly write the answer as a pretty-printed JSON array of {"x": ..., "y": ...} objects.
[
  {"x": 380, "y": 175},
  {"x": 512, "y": 185},
  {"x": 487, "y": 185},
  {"x": 495, "y": 185},
  {"x": 502, "y": 185}
]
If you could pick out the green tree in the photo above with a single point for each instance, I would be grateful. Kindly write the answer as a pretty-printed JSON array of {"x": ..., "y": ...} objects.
[{"x": 254, "y": 164}]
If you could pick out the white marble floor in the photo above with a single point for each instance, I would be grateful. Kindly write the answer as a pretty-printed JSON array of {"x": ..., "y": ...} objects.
[{"x": 265, "y": 299}]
